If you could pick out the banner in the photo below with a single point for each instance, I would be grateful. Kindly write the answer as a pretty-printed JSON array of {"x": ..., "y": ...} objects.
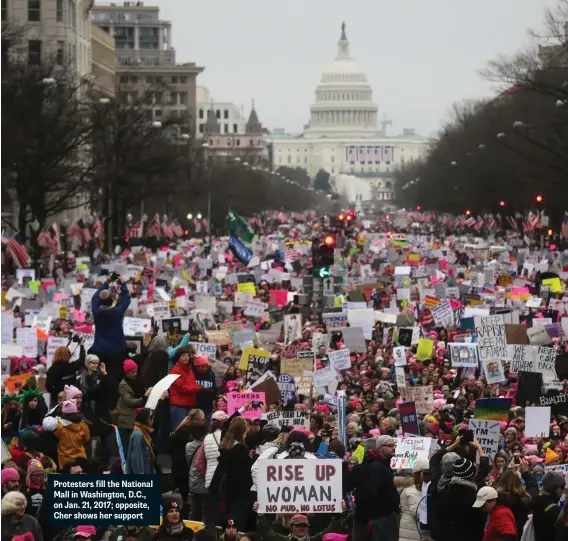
[
  {"x": 299, "y": 486},
  {"x": 239, "y": 250},
  {"x": 409, "y": 418},
  {"x": 463, "y": 355},
  {"x": 423, "y": 396},
  {"x": 204, "y": 348},
  {"x": 487, "y": 434},
  {"x": 236, "y": 400}
]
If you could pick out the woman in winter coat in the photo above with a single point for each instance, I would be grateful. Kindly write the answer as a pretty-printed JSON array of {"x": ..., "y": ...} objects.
[
  {"x": 409, "y": 500},
  {"x": 34, "y": 490},
  {"x": 62, "y": 371},
  {"x": 141, "y": 454},
  {"x": 128, "y": 403},
  {"x": 73, "y": 434},
  {"x": 183, "y": 391},
  {"x": 197, "y": 490},
  {"x": 206, "y": 463},
  {"x": 15, "y": 522},
  {"x": 513, "y": 494},
  {"x": 172, "y": 527},
  {"x": 233, "y": 475}
]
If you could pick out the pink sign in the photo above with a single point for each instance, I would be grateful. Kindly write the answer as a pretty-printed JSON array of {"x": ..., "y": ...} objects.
[{"x": 237, "y": 400}]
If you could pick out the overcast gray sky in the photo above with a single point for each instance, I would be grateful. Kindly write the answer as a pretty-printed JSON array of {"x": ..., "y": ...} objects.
[{"x": 420, "y": 56}]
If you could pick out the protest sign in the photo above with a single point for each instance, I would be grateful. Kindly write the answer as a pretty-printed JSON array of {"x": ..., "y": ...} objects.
[
  {"x": 521, "y": 358},
  {"x": 408, "y": 418},
  {"x": 400, "y": 377},
  {"x": 204, "y": 348},
  {"x": 54, "y": 342},
  {"x": 289, "y": 418},
  {"x": 491, "y": 338},
  {"x": 545, "y": 360},
  {"x": 537, "y": 421},
  {"x": 463, "y": 355},
  {"x": 399, "y": 354},
  {"x": 296, "y": 367},
  {"x": 255, "y": 362},
  {"x": 26, "y": 337},
  {"x": 299, "y": 486},
  {"x": 158, "y": 389},
  {"x": 254, "y": 308},
  {"x": 443, "y": 314},
  {"x": 487, "y": 434},
  {"x": 287, "y": 387},
  {"x": 335, "y": 319},
  {"x": 493, "y": 409},
  {"x": 423, "y": 396},
  {"x": 557, "y": 400},
  {"x": 133, "y": 326},
  {"x": 236, "y": 400},
  {"x": 408, "y": 450},
  {"x": 494, "y": 371},
  {"x": 340, "y": 359}
]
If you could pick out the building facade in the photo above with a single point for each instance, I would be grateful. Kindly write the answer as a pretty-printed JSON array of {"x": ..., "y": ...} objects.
[
  {"x": 53, "y": 30},
  {"x": 230, "y": 117},
  {"x": 103, "y": 61},
  {"x": 344, "y": 136},
  {"x": 146, "y": 60}
]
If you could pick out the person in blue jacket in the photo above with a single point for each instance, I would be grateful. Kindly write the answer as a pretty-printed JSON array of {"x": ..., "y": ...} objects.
[
  {"x": 205, "y": 378},
  {"x": 141, "y": 457},
  {"x": 109, "y": 344}
]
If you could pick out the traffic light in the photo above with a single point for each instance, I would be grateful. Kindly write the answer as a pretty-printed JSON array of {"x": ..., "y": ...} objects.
[
  {"x": 539, "y": 198},
  {"x": 323, "y": 256}
]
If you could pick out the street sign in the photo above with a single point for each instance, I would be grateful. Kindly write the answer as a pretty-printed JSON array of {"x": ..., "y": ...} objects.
[
  {"x": 317, "y": 285},
  {"x": 328, "y": 286}
]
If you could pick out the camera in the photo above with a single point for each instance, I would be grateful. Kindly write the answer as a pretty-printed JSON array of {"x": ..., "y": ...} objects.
[
  {"x": 466, "y": 436},
  {"x": 76, "y": 338},
  {"x": 114, "y": 276},
  {"x": 257, "y": 404}
]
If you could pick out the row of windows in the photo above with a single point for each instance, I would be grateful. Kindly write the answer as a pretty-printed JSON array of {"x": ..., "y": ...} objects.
[
  {"x": 123, "y": 16},
  {"x": 337, "y": 96},
  {"x": 333, "y": 150},
  {"x": 217, "y": 142},
  {"x": 225, "y": 128},
  {"x": 34, "y": 10},
  {"x": 203, "y": 114},
  {"x": 362, "y": 169},
  {"x": 153, "y": 80}
]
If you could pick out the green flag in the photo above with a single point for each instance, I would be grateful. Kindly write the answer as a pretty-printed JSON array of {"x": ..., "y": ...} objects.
[{"x": 238, "y": 226}]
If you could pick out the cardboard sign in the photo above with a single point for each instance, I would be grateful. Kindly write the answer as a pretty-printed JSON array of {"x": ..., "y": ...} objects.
[
  {"x": 491, "y": 337},
  {"x": 408, "y": 450},
  {"x": 340, "y": 359},
  {"x": 487, "y": 434},
  {"x": 463, "y": 355},
  {"x": 204, "y": 348},
  {"x": 289, "y": 418},
  {"x": 236, "y": 400},
  {"x": 294, "y": 486},
  {"x": 422, "y": 395},
  {"x": 296, "y": 367},
  {"x": 255, "y": 362}
]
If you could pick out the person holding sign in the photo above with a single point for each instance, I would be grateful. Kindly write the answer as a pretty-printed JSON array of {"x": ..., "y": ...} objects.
[{"x": 183, "y": 391}]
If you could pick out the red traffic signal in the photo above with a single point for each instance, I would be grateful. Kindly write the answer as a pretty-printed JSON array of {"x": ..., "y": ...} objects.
[
  {"x": 341, "y": 217},
  {"x": 467, "y": 212},
  {"x": 349, "y": 218},
  {"x": 539, "y": 198},
  {"x": 418, "y": 207},
  {"x": 329, "y": 240},
  {"x": 501, "y": 203}
]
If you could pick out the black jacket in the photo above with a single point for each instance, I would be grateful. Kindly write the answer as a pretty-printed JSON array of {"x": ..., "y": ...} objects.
[
  {"x": 61, "y": 373},
  {"x": 185, "y": 535},
  {"x": 375, "y": 493},
  {"x": 545, "y": 512},
  {"x": 456, "y": 518},
  {"x": 235, "y": 464}
]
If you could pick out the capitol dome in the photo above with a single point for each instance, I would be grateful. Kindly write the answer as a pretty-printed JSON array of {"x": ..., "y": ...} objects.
[{"x": 344, "y": 104}]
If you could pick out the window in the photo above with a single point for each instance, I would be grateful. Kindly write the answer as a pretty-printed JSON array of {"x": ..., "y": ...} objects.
[
  {"x": 149, "y": 79},
  {"x": 148, "y": 38},
  {"x": 60, "y": 58},
  {"x": 183, "y": 80},
  {"x": 200, "y": 128},
  {"x": 173, "y": 98},
  {"x": 289, "y": 158},
  {"x": 34, "y": 52},
  {"x": 210, "y": 142},
  {"x": 157, "y": 113},
  {"x": 218, "y": 113},
  {"x": 124, "y": 37},
  {"x": 123, "y": 78},
  {"x": 59, "y": 11},
  {"x": 34, "y": 11},
  {"x": 251, "y": 143},
  {"x": 235, "y": 128},
  {"x": 174, "y": 79},
  {"x": 158, "y": 98},
  {"x": 158, "y": 79},
  {"x": 4, "y": 10},
  {"x": 238, "y": 142},
  {"x": 183, "y": 98},
  {"x": 226, "y": 114},
  {"x": 201, "y": 113}
]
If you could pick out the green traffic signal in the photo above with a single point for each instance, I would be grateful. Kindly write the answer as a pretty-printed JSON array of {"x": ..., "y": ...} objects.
[{"x": 324, "y": 272}]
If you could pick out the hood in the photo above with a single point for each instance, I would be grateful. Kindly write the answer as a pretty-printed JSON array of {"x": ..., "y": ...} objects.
[{"x": 265, "y": 446}]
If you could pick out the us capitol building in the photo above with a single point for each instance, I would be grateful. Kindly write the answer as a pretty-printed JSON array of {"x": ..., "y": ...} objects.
[{"x": 343, "y": 136}]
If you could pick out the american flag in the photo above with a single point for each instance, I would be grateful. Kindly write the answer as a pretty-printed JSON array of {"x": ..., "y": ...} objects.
[
  {"x": 135, "y": 231},
  {"x": 80, "y": 230},
  {"x": 98, "y": 231},
  {"x": 18, "y": 250},
  {"x": 44, "y": 240},
  {"x": 564, "y": 228},
  {"x": 470, "y": 221},
  {"x": 513, "y": 224},
  {"x": 292, "y": 255},
  {"x": 167, "y": 230},
  {"x": 177, "y": 229},
  {"x": 154, "y": 229},
  {"x": 479, "y": 223},
  {"x": 56, "y": 239}
]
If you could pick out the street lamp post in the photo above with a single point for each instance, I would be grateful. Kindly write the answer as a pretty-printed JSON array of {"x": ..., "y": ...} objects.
[{"x": 207, "y": 157}]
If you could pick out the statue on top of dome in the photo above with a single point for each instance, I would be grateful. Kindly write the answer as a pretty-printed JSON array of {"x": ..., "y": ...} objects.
[{"x": 343, "y": 35}]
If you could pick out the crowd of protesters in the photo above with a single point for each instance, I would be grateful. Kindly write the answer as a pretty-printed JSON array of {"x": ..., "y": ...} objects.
[{"x": 84, "y": 411}]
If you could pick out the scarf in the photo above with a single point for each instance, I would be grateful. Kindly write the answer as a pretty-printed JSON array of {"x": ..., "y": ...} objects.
[
  {"x": 146, "y": 432},
  {"x": 176, "y": 528}
]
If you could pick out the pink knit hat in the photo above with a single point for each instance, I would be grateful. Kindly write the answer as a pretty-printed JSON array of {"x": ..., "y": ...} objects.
[
  {"x": 69, "y": 406},
  {"x": 85, "y": 531},
  {"x": 128, "y": 365},
  {"x": 72, "y": 392},
  {"x": 10, "y": 474}
]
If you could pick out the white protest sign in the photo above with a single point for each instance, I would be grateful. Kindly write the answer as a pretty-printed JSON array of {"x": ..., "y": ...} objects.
[
  {"x": 494, "y": 371},
  {"x": 201, "y": 287},
  {"x": 204, "y": 348},
  {"x": 408, "y": 450},
  {"x": 335, "y": 319},
  {"x": 26, "y": 337},
  {"x": 537, "y": 419},
  {"x": 533, "y": 302},
  {"x": 521, "y": 358},
  {"x": 545, "y": 361},
  {"x": 491, "y": 338},
  {"x": 289, "y": 418},
  {"x": 423, "y": 395},
  {"x": 299, "y": 486},
  {"x": 399, "y": 354},
  {"x": 463, "y": 355},
  {"x": 7, "y": 328},
  {"x": 340, "y": 359},
  {"x": 43, "y": 323},
  {"x": 443, "y": 314},
  {"x": 255, "y": 308},
  {"x": 400, "y": 377},
  {"x": 54, "y": 342},
  {"x": 133, "y": 326},
  {"x": 538, "y": 336},
  {"x": 158, "y": 390},
  {"x": 86, "y": 298},
  {"x": 487, "y": 434}
]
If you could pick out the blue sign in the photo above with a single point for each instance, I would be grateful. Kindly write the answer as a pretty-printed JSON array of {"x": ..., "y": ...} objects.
[
  {"x": 240, "y": 251},
  {"x": 287, "y": 387},
  {"x": 408, "y": 418}
]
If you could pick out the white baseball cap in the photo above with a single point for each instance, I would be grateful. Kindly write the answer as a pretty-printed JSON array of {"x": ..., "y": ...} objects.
[{"x": 484, "y": 495}]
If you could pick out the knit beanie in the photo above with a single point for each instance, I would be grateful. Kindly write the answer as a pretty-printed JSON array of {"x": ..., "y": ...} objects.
[
  {"x": 69, "y": 406},
  {"x": 72, "y": 392},
  {"x": 34, "y": 466},
  {"x": 464, "y": 469},
  {"x": 10, "y": 474},
  {"x": 128, "y": 365},
  {"x": 551, "y": 481},
  {"x": 382, "y": 440}
]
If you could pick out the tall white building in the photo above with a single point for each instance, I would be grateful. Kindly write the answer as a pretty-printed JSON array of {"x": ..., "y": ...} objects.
[
  {"x": 230, "y": 117},
  {"x": 343, "y": 136}
]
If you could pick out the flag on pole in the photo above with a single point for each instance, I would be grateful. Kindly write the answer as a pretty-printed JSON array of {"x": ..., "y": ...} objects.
[
  {"x": 98, "y": 231},
  {"x": 238, "y": 227},
  {"x": 18, "y": 250},
  {"x": 56, "y": 239},
  {"x": 135, "y": 231},
  {"x": 564, "y": 228}
]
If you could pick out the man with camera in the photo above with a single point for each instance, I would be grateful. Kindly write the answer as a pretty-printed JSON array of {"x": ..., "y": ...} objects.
[{"x": 109, "y": 344}]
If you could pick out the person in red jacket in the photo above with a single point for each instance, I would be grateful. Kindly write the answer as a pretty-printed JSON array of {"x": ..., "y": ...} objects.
[
  {"x": 501, "y": 525},
  {"x": 183, "y": 392}
]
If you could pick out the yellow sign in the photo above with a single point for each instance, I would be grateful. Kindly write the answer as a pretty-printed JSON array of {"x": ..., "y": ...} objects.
[
  {"x": 554, "y": 283},
  {"x": 251, "y": 351},
  {"x": 187, "y": 277},
  {"x": 63, "y": 311},
  {"x": 359, "y": 453},
  {"x": 425, "y": 349},
  {"x": 247, "y": 286}
]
